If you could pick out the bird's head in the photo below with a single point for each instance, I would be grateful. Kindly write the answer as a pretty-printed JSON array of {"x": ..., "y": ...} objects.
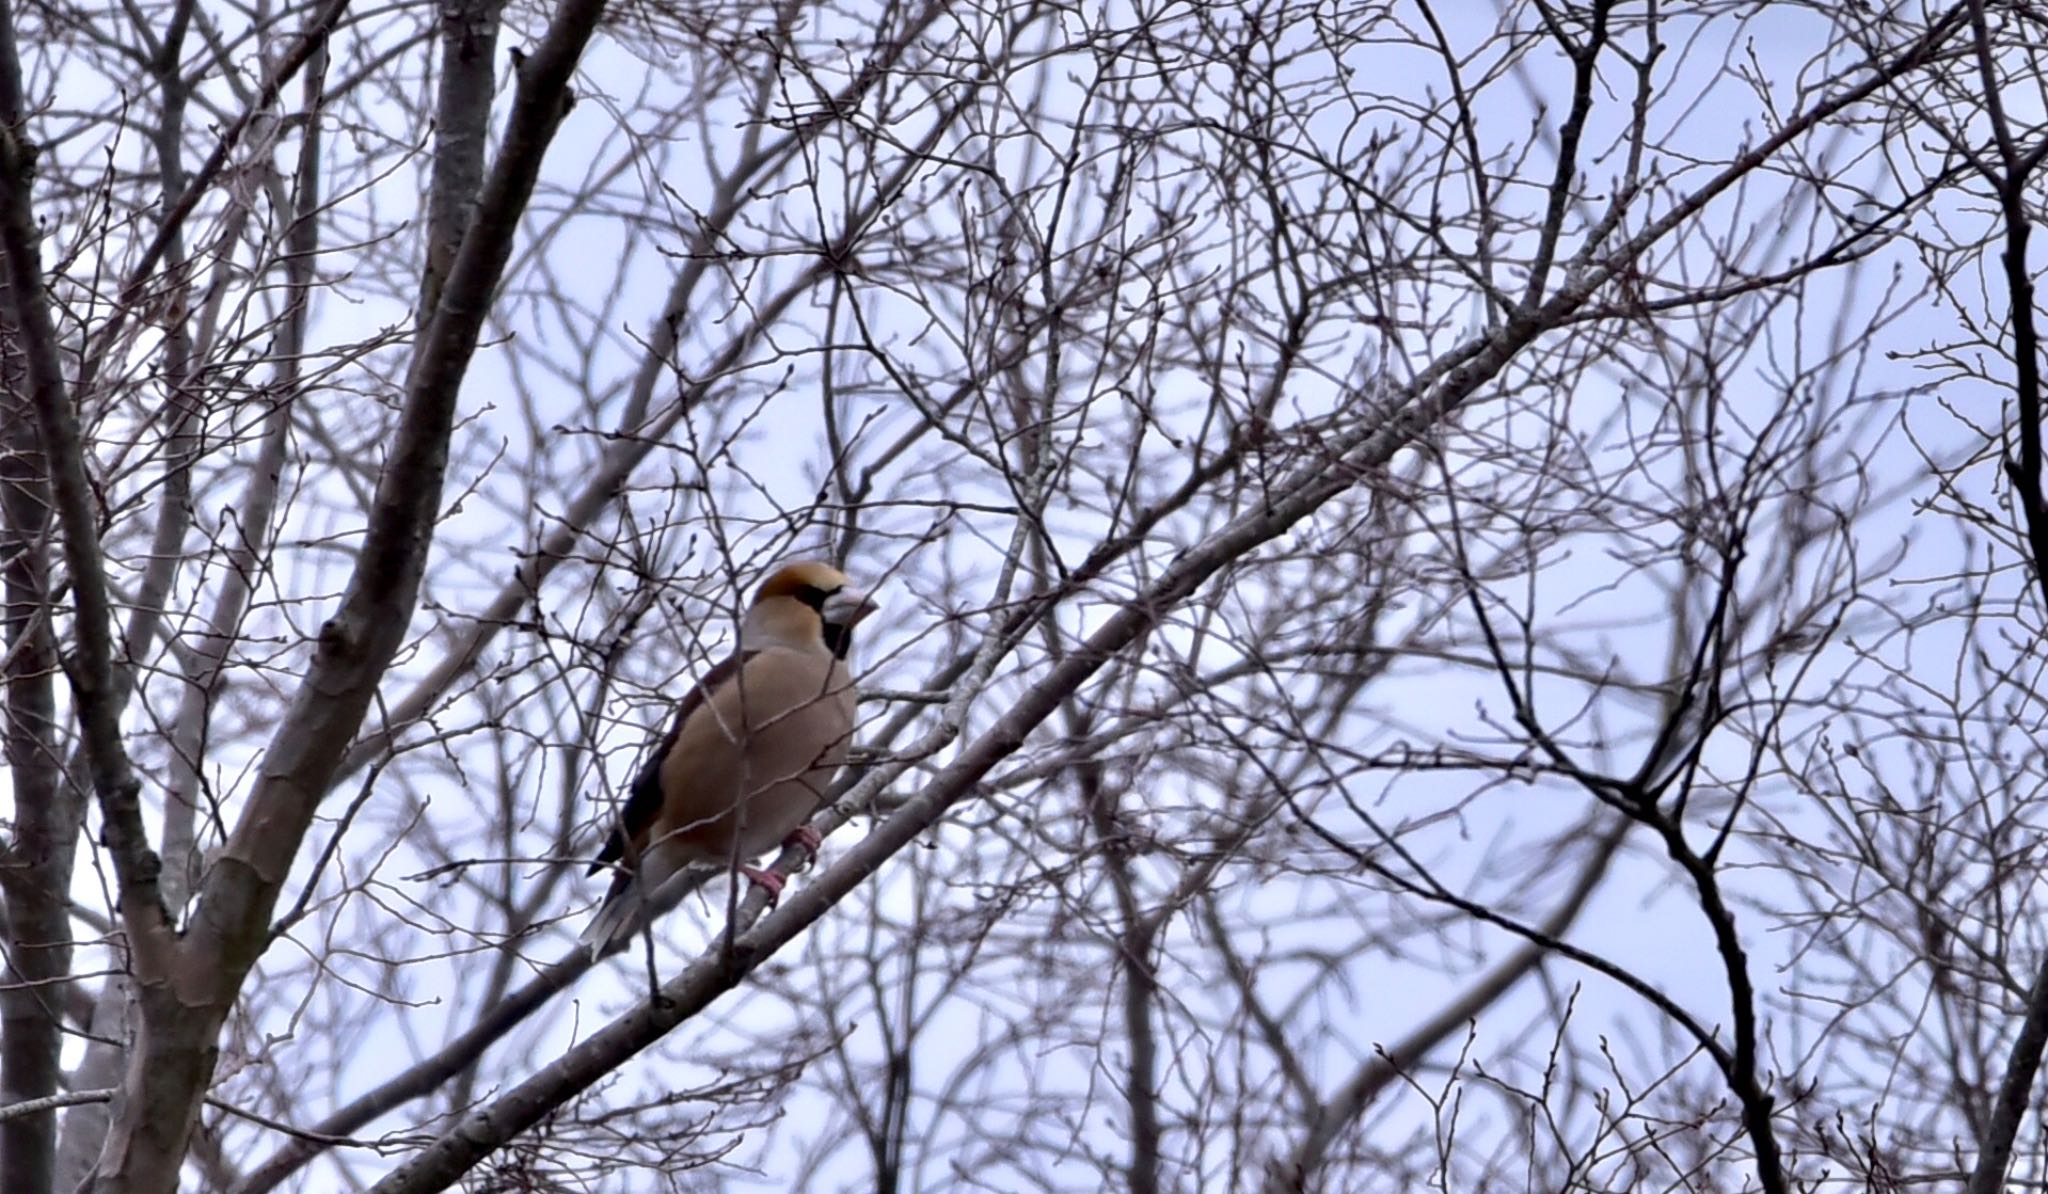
[{"x": 808, "y": 605}]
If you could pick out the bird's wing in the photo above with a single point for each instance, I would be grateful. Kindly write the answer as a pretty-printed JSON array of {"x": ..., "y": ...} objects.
[{"x": 643, "y": 800}]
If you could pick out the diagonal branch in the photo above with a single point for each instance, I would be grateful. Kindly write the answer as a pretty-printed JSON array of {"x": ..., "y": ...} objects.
[{"x": 1353, "y": 457}]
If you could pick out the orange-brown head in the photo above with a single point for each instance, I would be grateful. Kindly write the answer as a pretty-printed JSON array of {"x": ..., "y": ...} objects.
[{"x": 805, "y": 606}]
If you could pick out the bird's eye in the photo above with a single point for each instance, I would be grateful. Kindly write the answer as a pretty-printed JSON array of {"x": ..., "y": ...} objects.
[{"x": 813, "y": 596}]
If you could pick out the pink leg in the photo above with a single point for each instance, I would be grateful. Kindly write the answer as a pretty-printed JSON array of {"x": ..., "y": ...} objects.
[
  {"x": 804, "y": 838},
  {"x": 769, "y": 880}
]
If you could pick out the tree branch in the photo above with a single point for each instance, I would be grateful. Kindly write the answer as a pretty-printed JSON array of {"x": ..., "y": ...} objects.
[
  {"x": 182, "y": 1012},
  {"x": 2023, "y": 1062},
  {"x": 91, "y": 669},
  {"x": 1328, "y": 1122}
]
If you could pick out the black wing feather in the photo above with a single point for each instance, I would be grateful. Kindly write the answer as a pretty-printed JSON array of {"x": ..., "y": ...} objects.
[{"x": 643, "y": 800}]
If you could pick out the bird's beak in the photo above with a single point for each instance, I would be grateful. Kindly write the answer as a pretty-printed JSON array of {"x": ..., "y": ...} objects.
[{"x": 849, "y": 605}]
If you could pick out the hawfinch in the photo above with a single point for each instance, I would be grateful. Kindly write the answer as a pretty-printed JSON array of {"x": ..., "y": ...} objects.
[{"x": 753, "y": 748}]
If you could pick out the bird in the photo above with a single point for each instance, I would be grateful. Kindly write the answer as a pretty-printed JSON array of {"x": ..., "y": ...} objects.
[{"x": 750, "y": 751}]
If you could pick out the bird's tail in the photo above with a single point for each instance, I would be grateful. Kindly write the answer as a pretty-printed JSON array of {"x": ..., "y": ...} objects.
[{"x": 614, "y": 917}]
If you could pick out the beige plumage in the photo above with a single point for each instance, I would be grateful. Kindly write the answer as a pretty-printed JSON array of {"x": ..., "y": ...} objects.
[{"x": 752, "y": 748}]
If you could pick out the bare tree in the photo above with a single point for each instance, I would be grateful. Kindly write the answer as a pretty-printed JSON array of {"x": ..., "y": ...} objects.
[{"x": 1462, "y": 591}]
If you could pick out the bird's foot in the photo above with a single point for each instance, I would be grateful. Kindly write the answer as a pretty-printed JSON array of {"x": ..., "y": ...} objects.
[
  {"x": 769, "y": 881},
  {"x": 804, "y": 838}
]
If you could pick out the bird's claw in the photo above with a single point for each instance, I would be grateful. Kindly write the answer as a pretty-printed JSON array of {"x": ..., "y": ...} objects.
[
  {"x": 768, "y": 881},
  {"x": 804, "y": 838}
]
